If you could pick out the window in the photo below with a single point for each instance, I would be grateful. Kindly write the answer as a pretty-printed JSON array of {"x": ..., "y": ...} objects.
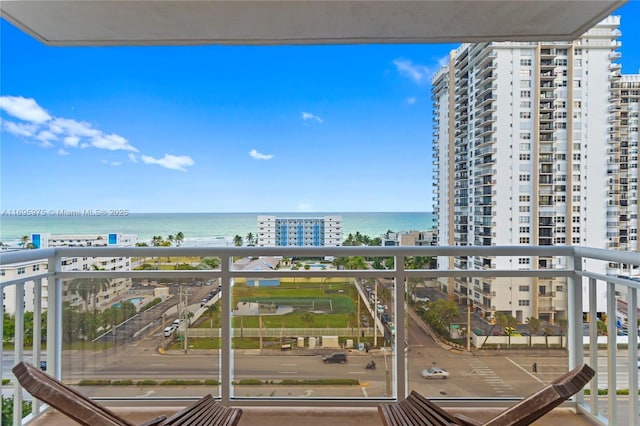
[
  {"x": 524, "y": 209},
  {"x": 524, "y": 178},
  {"x": 525, "y": 135},
  {"x": 524, "y": 198},
  {"x": 575, "y": 229},
  {"x": 525, "y": 114},
  {"x": 524, "y": 72},
  {"x": 524, "y": 261},
  {"x": 559, "y": 240},
  {"x": 525, "y": 93},
  {"x": 525, "y": 83},
  {"x": 524, "y": 230},
  {"x": 525, "y": 157},
  {"x": 575, "y": 219},
  {"x": 559, "y": 219},
  {"x": 524, "y": 219},
  {"x": 21, "y": 270},
  {"x": 36, "y": 268},
  {"x": 525, "y": 62},
  {"x": 575, "y": 240},
  {"x": 524, "y": 240},
  {"x": 523, "y": 303},
  {"x": 523, "y": 287}
]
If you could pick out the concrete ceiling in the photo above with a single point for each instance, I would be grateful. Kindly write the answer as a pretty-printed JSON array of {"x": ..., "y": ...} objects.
[{"x": 271, "y": 22}]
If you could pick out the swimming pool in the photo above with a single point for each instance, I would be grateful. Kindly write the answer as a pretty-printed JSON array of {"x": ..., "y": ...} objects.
[{"x": 136, "y": 301}]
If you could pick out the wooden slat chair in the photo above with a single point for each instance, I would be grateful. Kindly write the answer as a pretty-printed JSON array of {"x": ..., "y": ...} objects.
[
  {"x": 73, "y": 404},
  {"x": 416, "y": 410}
]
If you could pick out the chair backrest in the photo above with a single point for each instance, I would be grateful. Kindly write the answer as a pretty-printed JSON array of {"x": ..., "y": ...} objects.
[
  {"x": 65, "y": 399},
  {"x": 546, "y": 399}
]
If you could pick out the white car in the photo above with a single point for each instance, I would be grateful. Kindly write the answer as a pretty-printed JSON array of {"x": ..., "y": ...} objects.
[{"x": 435, "y": 373}]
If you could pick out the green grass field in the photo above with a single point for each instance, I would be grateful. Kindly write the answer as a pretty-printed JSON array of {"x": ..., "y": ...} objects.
[{"x": 331, "y": 300}]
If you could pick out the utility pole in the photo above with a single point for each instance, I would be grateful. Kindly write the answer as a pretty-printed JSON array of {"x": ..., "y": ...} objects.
[
  {"x": 375, "y": 315},
  {"x": 468, "y": 324},
  {"x": 185, "y": 315}
]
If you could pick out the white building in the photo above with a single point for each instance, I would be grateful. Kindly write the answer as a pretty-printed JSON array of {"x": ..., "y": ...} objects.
[
  {"x": 408, "y": 238},
  {"x": 521, "y": 137},
  {"x": 299, "y": 231},
  {"x": 116, "y": 286}
]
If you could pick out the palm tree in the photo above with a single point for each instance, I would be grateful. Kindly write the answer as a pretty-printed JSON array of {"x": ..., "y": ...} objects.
[
  {"x": 89, "y": 288},
  {"x": 179, "y": 238},
  {"x": 548, "y": 331},
  {"x": 250, "y": 239},
  {"x": 307, "y": 318},
  {"x": 171, "y": 238},
  {"x": 512, "y": 322},
  {"x": 212, "y": 311},
  {"x": 237, "y": 241},
  {"x": 534, "y": 326},
  {"x": 25, "y": 242},
  {"x": 564, "y": 325}
]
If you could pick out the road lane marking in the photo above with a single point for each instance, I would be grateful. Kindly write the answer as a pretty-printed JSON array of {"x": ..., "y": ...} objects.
[
  {"x": 523, "y": 369},
  {"x": 287, "y": 372}
]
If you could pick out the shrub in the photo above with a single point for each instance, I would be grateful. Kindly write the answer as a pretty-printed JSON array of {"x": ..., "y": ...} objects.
[{"x": 7, "y": 410}]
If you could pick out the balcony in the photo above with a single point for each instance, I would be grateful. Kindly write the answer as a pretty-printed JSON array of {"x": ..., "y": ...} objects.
[{"x": 141, "y": 352}]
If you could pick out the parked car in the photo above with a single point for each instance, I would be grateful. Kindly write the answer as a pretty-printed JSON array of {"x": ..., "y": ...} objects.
[
  {"x": 168, "y": 331},
  {"x": 435, "y": 373},
  {"x": 337, "y": 357}
]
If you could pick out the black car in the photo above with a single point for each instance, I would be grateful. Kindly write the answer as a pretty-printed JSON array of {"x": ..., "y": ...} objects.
[{"x": 337, "y": 357}]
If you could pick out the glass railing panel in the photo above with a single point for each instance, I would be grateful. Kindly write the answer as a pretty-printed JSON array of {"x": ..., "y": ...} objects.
[
  {"x": 478, "y": 330},
  {"x": 311, "y": 329},
  {"x": 141, "y": 337}
]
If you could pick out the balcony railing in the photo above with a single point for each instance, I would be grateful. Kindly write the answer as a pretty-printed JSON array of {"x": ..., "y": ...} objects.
[{"x": 229, "y": 363}]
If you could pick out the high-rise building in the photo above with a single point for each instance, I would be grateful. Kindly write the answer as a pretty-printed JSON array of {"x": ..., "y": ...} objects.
[
  {"x": 299, "y": 231},
  {"x": 528, "y": 150},
  {"x": 102, "y": 299}
]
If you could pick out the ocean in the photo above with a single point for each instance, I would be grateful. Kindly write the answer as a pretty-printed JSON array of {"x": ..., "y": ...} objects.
[{"x": 199, "y": 229}]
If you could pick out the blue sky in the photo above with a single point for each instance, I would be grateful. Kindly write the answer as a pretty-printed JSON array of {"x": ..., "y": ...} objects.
[{"x": 223, "y": 129}]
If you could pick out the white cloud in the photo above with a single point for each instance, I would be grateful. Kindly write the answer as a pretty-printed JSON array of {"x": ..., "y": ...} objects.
[
  {"x": 112, "y": 142},
  {"x": 46, "y": 136},
  {"x": 258, "y": 156},
  {"x": 35, "y": 125},
  {"x": 309, "y": 116},
  {"x": 25, "y": 109},
  {"x": 71, "y": 141},
  {"x": 420, "y": 74},
  {"x": 173, "y": 162},
  {"x": 412, "y": 100},
  {"x": 20, "y": 129},
  {"x": 73, "y": 128}
]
